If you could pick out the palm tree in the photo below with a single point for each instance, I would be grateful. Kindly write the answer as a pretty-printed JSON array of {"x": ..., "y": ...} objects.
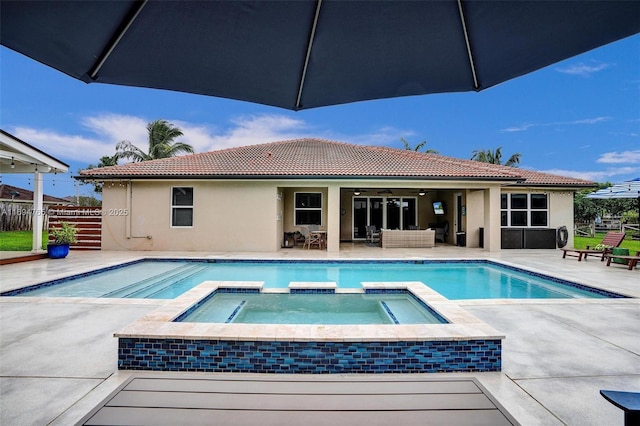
[
  {"x": 105, "y": 161},
  {"x": 162, "y": 144},
  {"x": 495, "y": 157},
  {"x": 418, "y": 147}
]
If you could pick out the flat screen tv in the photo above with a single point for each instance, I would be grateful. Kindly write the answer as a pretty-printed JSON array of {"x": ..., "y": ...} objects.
[{"x": 438, "y": 208}]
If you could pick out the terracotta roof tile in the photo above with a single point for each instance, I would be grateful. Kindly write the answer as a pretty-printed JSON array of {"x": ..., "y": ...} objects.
[
  {"x": 321, "y": 158},
  {"x": 9, "y": 192}
]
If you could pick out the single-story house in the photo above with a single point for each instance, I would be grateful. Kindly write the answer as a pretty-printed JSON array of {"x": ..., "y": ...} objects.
[
  {"x": 247, "y": 198},
  {"x": 14, "y": 194}
]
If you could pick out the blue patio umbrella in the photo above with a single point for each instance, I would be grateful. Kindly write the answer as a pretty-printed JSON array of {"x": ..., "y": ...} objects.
[
  {"x": 627, "y": 189},
  {"x": 310, "y": 53}
]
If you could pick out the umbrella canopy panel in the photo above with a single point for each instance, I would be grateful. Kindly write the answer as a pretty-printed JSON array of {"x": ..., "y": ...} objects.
[
  {"x": 305, "y": 54},
  {"x": 628, "y": 189}
]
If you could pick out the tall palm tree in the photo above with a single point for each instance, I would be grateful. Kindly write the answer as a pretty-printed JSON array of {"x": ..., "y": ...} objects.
[
  {"x": 495, "y": 157},
  {"x": 418, "y": 147},
  {"x": 162, "y": 144}
]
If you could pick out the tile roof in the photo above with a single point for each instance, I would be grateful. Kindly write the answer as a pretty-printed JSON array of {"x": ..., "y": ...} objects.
[
  {"x": 304, "y": 158},
  {"x": 9, "y": 192}
]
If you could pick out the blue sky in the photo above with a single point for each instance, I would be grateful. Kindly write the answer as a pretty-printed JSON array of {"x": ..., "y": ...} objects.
[{"x": 578, "y": 118}]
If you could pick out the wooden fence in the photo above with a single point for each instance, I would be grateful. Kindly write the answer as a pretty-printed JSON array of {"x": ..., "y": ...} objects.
[
  {"x": 88, "y": 220},
  {"x": 18, "y": 217}
]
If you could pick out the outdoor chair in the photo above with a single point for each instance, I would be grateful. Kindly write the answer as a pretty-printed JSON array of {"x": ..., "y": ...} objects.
[
  {"x": 612, "y": 239},
  {"x": 373, "y": 234},
  {"x": 311, "y": 237},
  {"x": 625, "y": 259},
  {"x": 441, "y": 231}
]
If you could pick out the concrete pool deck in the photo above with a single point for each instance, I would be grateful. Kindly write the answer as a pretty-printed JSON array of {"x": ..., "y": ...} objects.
[{"x": 58, "y": 357}]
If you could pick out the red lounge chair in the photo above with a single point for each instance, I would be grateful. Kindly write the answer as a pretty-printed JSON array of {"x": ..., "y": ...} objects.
[
  {"x": 632, "y": 261},
  {"x": 612, "y": 239}
]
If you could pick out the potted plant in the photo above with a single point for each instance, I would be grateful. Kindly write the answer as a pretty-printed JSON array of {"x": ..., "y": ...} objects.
[{"x": 62, "y": 237}]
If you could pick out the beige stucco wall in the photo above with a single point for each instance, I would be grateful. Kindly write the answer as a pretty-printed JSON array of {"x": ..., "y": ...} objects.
[
  {"x": 561, "y": 208},
  {"x": 475, "y": 217},
  {"x": 224, "y": 217}
]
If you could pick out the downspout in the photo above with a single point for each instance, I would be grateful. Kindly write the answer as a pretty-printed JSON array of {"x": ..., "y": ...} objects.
[{"x": 128, "y": 225}]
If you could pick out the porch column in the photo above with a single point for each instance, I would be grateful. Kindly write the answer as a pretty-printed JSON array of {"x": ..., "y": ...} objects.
[
  {"x": 333, "y": 218},
  {"x": 38, "y": 212},
  {"x": 492, "y": 219}
]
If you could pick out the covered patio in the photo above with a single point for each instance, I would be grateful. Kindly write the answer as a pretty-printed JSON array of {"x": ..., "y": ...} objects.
[{"x": 17, "y": 156}]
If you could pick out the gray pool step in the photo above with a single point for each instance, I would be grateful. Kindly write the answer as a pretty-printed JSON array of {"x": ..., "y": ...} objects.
[{"x": 346, "y": 401}]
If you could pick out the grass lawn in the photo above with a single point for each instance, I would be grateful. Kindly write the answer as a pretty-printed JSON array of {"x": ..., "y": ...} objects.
[
  {"x": 20, "y": 240},
  {"x": 628, "y": 243}
]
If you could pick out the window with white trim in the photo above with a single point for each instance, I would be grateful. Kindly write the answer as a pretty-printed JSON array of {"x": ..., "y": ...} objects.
[
  {"x": 181, "y": 206},
  {"x": 524, "y": 210},
  {"x": 308, "y": 208}
]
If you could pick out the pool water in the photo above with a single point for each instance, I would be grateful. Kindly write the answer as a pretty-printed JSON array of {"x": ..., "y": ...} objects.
[
  {"x": 328, "y": 309},
  {"x": 157, "y": 279}
]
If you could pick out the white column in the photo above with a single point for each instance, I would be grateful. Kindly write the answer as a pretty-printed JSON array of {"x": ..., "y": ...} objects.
[
  {"x": 333, "y": 218},
  {"x": 38, "y": 212},
  {"x": 492, "y": 219}
]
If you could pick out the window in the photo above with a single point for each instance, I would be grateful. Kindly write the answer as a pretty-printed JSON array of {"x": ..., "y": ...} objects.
[
  {"x": 181, "y": 206},
  {"x": 524, "y": 210},
  {"x": 539, "y": 210},
  {"x": 308, "y": 208}
]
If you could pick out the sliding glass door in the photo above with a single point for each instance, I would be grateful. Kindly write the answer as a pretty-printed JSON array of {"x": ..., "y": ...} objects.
[{"x": 383, "y": 213}]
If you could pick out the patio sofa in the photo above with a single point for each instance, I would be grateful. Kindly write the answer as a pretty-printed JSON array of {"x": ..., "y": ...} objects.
[{"x": 390, "y": 238}]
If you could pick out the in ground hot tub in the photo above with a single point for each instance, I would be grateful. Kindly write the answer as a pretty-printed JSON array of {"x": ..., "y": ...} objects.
[
  {"x": 312, "y": 308},
  {"x": 171, "y": 339}
]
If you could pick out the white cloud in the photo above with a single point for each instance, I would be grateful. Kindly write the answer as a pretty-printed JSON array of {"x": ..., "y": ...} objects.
[
  {"x": 624, "y": 157},
  {"x": 103, "y": 132},
  {"x": 113, "y": 128},
  {"x": 256, "y": 129},
  {"x": 584, "y": 70},
  {"x": 64, "y": 146},
  {"x": 520, "y": 128},
  {"x": 587, "y": 121},
  {"x": 384, "y": 136},
  {"x": 527, "y": 126},
  {"x": 595, "y": 175}
]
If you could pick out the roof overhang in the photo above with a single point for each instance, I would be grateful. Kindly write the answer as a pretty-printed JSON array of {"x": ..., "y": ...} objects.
[
  {"x": 17, "y": 156},
  {"x": 289, "y": 177}
]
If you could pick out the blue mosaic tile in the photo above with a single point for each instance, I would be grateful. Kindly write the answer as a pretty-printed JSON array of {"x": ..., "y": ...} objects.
[
  {"x": 312, "y": 290},
  {"x": 235, "y": 311},
  {"x": 309, "y": 357}
]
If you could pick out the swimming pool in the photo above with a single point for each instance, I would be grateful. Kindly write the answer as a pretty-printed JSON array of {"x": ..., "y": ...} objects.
[{"x": 169, "y": 278}]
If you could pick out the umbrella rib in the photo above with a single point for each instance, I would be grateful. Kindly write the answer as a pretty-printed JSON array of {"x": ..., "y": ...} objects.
[
  {"x": 114, "y": 41},
  {"x": 306, "y": 59},
  {"x": 469, "y": 53}
]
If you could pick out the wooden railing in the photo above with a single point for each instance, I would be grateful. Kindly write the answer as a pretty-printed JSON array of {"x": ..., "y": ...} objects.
[
  {"x": 88, "y": 220},
  {"x": 582, "y": 230}
]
